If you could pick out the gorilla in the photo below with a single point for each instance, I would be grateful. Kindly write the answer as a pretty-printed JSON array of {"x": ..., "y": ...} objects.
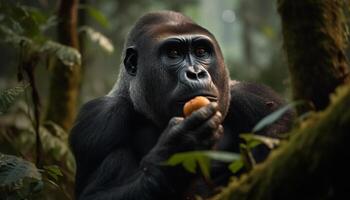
[{"x": 120, "y": 141}]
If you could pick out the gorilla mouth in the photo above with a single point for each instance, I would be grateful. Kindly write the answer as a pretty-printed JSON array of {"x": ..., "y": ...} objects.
[{"x": 211, "y": 97}]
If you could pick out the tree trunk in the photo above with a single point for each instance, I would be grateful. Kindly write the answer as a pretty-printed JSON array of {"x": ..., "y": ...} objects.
[
  {"x": 65, "y": 81},
  {"x": 312, "y": 165},
  {"x": 314, "y": 40}
]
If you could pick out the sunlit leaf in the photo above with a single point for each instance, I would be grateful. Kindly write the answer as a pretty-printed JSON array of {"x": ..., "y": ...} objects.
[
  {"x": 98, "y": 38},
  {"x": 50, "y": 22},
  {"x": 13, "y": 170},
  {"x": 221, "y": 155},
  {"x": 54, "y": 145},
  {"x": 12, "y": 38},
  {"x": 191, "y": 159},
  {"x": 67, "y": 55},
  {"x": 24, "y": 20},
  {"x": 236, "y": 166},
  {"x": 247, "y": 156},
  {"x": 9, "y": 96},
  {"x": 204, "y": 165},
  {"x": 273, "y": 117},
  {"x": 253, "y": 140},
  {"x": 54, "y": 171}
]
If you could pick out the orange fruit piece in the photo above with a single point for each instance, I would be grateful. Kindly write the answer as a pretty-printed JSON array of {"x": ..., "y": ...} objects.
[{"x": 195, "y": 104}]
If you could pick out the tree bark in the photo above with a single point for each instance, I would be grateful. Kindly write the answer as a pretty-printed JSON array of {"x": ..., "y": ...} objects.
[
  {"x": 312, "y": 165},
  {"x": 314, "y": 41},
  {"x": 65, "y": 80}
]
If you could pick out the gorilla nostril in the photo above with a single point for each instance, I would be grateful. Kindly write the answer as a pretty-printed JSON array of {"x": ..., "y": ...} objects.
[
  {"x": 191, "y": 75},
  {"x": 202, "y": 74}
]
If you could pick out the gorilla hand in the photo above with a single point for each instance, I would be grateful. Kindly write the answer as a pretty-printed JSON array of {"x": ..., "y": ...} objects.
[{"x": 200, "y": 130}]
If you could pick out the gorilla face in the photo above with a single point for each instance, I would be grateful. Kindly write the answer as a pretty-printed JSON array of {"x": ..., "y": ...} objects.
[{"x": 172, "y": 63}]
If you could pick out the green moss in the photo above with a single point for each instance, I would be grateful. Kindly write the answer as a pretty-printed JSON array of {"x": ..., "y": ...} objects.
[{"x": 314, "y": 41}]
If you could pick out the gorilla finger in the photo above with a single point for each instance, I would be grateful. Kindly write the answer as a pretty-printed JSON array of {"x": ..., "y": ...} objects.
[
  {"x": 219, "y": 132},
  {"x": 174, "y": 121},
  {"x": 200, "y": 116},
  {"x": 210, "y": 126}
]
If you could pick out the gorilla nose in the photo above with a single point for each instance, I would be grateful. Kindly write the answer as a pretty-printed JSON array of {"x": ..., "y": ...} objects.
[{"x": 192, "y": 75}]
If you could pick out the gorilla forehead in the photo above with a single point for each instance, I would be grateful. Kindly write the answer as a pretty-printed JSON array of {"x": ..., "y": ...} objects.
[{"x": 162, "y": 24}]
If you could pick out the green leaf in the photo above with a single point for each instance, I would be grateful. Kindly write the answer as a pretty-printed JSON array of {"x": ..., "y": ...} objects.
[
  {"x": 9, "y": 96},
  {"x": 247, "y": 157},
  {"x": 176, "y": 159},
  {"x": 204, "y": 165},
  {"x": 221, "y": 155},
  {"x": 98, "y": 38},
  {"x": 53, "y": 171},
  {"x": 189, "y": 165},
  {"x": 11, "y": 37},
  {"x": 97, "y": 15},
  {"x": 236, "y": 166},
  {"x": 253, "y": 140},
  {"x": 67, "y": 55},
  {"x": 271, "y": 118},
  {"x": 191, "y": 159},
  {"x": 24, "y": 20},
  {"x": 252, "y": 144},
  {"x": 13, "y": 170},
  {"x": 55, "y": 145}
]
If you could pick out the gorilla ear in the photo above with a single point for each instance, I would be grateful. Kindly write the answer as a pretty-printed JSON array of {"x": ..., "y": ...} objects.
[{"x": 130, "y": 61}]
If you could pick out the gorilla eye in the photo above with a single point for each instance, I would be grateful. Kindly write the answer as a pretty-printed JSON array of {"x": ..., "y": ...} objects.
[
  {"x": 173, "y": 53},
  {"x": 201, "y": 52}
]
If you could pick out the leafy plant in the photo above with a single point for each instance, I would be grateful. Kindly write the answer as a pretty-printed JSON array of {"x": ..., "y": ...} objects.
[
  {"x": 53, "y": 171},
  {"x": 9, "y": 96},
  {"x": 194, "y": 159},
  {"x": 97, "y": 38},
  {"x": 14, "y": 169},
  {"x": 253, "y": 140},
  {"x": 274, "y": 116},
  {"x": 190, "y": 160},
  {"x": 18, "y": 177}
]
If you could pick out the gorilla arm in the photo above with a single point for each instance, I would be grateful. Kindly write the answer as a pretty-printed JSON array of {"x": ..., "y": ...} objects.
[{"x": 120, "y": 174}]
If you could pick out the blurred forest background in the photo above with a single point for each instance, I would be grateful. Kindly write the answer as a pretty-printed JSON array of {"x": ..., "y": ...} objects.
[{"x": 248, "y": 31}]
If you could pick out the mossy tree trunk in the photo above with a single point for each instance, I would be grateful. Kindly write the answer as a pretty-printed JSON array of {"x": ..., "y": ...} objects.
[
  {"x": 312, "y": 165},
  {"x": 65, "y": 80},
  {"x": 314, "y": 41}
]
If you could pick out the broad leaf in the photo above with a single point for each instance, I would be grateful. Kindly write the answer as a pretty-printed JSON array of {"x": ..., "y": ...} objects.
[
  {"x": 191, "y": 159},
  {"x": 253, "y": 140},
  {"x": 13, "y": 170},
  {"x": 9, "y": 96},
  {"x": 18, "y": 41},
  {"x": 273, "y": 117},
  {"x": 204, "y": 165},
  {"x": 221, "y": 155},
  {"x": 53, "y": 171},
  {"x": 67, "y": 55},
  {"x": 236, "y": 166},
  {"x": 98, "y": 38}
]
